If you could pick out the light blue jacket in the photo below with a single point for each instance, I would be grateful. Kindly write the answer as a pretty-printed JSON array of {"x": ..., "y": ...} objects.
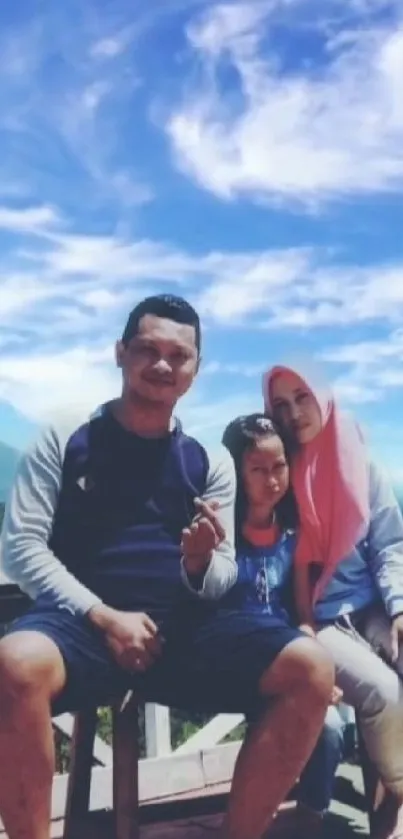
[{"x": 374, "y": 570}]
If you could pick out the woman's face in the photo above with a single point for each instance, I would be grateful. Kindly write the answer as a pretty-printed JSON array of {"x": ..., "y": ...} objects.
[
  {"x": 265, "y": 473},
  {"x": 295, "y": 408}
]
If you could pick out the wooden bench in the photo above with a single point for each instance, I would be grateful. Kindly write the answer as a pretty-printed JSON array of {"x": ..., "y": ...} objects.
[{"x": 125, "y": 814}]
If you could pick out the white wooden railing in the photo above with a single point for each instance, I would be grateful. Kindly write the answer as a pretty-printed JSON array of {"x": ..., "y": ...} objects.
[
  {"x": 199, "y": 763},
  {"x": 202, "y": 762}
]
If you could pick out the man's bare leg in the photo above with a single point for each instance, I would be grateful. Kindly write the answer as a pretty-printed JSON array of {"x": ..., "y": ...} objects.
[
  {"x": 31, "y": 672},
  {"x": 298, "y": 689},
  {"x": 387, "y": 822}
]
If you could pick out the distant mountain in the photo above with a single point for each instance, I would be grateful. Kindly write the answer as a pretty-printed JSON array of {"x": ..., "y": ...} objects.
[
  {"x": 16, "y": 430},
  {"x": 9, "y": 458}
]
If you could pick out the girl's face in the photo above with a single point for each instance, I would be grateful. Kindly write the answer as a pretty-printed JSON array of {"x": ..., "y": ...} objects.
[
  {"x": 295, "y": 408},
  {"x": 265, "y": 473}
]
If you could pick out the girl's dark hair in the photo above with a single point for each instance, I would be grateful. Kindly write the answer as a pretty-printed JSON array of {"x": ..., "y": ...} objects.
[{"x": 240, "y": 436}]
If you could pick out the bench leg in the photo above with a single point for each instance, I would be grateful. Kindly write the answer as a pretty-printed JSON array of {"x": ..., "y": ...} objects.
[
  {"x": 125, "y": 768},
  {"x": 79, "y": 783}
]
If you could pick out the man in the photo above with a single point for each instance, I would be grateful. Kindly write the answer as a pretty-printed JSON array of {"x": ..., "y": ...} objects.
[{"x": 121, "y": 530}]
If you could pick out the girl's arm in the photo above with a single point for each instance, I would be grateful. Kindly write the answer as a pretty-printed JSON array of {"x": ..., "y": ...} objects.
[{"x": 303, "y": 598}]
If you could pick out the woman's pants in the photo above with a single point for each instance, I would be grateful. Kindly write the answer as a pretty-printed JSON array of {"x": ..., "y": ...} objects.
[{"x": 372, "y": 685}]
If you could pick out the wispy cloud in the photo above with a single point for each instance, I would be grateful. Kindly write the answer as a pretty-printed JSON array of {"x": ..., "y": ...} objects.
[
  {"x": 65, "y": 292},
  {"x": 35, "y": 220},
  {"x": 68, "y": 77},
  {"x": 207, "y": 420},
  {"x": 74, "y": 291},
  {"x": 372, "y": 368},
  {"x": 45, "y": 385},
  {"x": 113, "y": 45},
  {"x": 250, "y": 371},
  {"x": 272, "y": 106},
  {"x": 369, "y": 351},
  {"x": 282, "y": 133},
  {"x": 250, "y": 283}
]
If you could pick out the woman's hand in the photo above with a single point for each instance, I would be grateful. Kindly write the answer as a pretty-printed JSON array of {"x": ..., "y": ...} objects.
[{"x": 396, "y": 637}]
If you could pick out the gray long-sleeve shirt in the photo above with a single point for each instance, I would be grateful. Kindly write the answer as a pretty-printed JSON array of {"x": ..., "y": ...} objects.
[{"x": 96, "y": 513}]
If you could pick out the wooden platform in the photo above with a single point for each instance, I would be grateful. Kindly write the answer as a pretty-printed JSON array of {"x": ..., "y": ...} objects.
[
  {"x": 199, "y": 816},
  {"x": 202, "y": 827}
]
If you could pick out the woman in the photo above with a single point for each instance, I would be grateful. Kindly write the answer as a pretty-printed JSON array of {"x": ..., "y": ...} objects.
[
  {"x": 349, "y": 569},
  {"x": 266, "y": 521}
]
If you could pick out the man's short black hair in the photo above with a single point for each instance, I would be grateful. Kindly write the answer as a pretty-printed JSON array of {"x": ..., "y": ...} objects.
[{"x": 168, "y": 306}]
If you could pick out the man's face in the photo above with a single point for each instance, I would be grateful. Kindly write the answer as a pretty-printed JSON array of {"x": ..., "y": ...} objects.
[{"x": 160, "y": 362}]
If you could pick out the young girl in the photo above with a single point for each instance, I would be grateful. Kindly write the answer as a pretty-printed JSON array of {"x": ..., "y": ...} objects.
[
  {"x": 351, "y": 537},
  {"x": 266, "y": 522}
]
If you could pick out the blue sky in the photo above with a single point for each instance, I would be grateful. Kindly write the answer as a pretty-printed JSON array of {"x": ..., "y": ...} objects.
[{"x": 248, "y": 155}]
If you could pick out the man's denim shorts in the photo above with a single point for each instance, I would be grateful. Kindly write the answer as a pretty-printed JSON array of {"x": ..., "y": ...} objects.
[{"x": 212, "y": 660}]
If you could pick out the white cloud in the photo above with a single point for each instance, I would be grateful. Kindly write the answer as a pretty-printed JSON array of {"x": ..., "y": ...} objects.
[
  {"x": 308, "y": 134},
  {"x": 99, "y": 298},
  {"x": 341, "y": 296},
  {"x": 107, "y": 48},
  {"x": 207, "y": 419},
  {"x": 392, "y": 378},
  {"x": 230, "y": 26},
  {"x": 248, "y": 284},
  {"x": 19, "y": 292},
  {"x": 115, "y": 257},
  {"x": 43, "y": 385},
  {"x": 69, "y": 84},
  {"x": 373, "y": 368},
  {"x": 39, "y": 219},
  {"x": 224, "y": 369},
  {"x": 72, "y": 289},
  {"x": 368, "y": 352},
  {"x": 353, "y": 391},
  {"x": 112, "y": 46},
  {"x": 74, "y": 130}
]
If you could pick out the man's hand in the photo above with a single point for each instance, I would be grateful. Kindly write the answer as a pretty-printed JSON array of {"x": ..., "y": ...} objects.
[
  {"x": 201, "y": 538},
  {"x": 337, "y": 696},
  {"x": 396, "y": 637},
  {"x": 307, "y": 629},
  {"x": 132, "y": 637}
]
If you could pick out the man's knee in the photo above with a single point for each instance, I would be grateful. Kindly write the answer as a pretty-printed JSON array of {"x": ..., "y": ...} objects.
[
  {"x": 30, "y": 663},
  {"x": 304, "y": 665}
]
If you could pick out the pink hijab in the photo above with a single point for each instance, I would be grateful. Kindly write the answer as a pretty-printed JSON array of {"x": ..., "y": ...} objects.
[{"x": 331, "y": 484}]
